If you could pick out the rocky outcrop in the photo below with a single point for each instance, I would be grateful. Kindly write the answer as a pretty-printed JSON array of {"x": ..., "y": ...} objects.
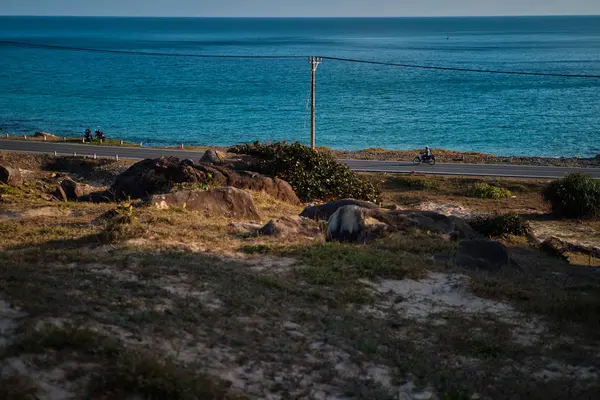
[
  {"x": 9, "y": 175},
  {"x": 69, "y": 190},
  {"x": 352, "y": 223},
  {"x": 323, "y": 212},
  {"x": 293, "y": 226},
  {"x": 223, "y": 202},
  {"x": 482, "y": 254},
  {"x": 212, "y": 157},
  {"x": 161, "y": 175},
  {"x": 454, "y": 227}
]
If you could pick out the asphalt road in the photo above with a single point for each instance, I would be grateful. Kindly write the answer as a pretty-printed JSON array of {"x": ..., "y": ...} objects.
[{"x": 519, "y": 171}]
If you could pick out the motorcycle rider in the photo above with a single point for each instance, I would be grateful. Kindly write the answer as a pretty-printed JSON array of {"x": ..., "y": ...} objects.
[
  {"x": 88, "y": 134},
  {"x": 426, "y": 154}
]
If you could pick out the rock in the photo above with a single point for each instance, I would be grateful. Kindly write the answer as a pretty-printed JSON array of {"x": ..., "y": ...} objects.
[
  {"x": 161, "y": 175},
  {"x": 352, "y": 224},
  {"x": 227, "y": 202},
  {"x": 275, "y": 187},
  {"x": 324, "y": 211},
  {"x": 291, "y": 227},
  {"x": 10, "y": 176},
  {"x": 69, "y": 190},
  {"x": 243, "y": 227},
  {"x": 455, "y": 227},
  {"x": 555, "y": 247},
  {"x": 212, "y": 157},
  {"x": 46, "y": 135},
  {"x": 104, "y": 196},
  {"x": 482, "y": 254}
]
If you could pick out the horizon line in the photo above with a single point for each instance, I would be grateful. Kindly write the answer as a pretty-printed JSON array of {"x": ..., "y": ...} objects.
[{"x": 303, "y": 17}]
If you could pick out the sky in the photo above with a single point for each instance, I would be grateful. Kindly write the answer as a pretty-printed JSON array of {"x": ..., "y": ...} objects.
[{"x": 298, "y": 8}]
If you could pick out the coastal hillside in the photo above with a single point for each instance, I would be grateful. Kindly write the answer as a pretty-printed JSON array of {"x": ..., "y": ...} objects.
[{"x": 270, "y": 271}]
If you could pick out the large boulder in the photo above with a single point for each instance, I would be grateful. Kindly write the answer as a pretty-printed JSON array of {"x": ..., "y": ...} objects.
[
  {"x": 482, "y": 254},
  {"x": 323, "y": 212},
  {"x": 10, "y": 176},
  {"x": 69, "y": 190},
  {"x": 161, "y": 175},
  {"x": 225, "y": 202},
  {"x": 454, "y": 227},
  {"x": 293, "y": 226},
  {"x": 352, "y": 224},
  {"x": 212, "y": 157}
]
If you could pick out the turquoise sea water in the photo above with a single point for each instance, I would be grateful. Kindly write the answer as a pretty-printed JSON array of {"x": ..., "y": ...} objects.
[{"x": 169, "y": 100}]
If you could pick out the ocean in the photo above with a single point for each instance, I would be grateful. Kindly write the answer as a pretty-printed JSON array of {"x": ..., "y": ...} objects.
[{"x": 161, "y": 100}]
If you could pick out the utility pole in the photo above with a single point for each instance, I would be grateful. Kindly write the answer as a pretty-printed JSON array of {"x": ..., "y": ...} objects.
[{"x": 314, "y": 63}]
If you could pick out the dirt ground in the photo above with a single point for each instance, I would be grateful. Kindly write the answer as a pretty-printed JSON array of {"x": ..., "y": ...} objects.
[{"x": 174, "y": 305}]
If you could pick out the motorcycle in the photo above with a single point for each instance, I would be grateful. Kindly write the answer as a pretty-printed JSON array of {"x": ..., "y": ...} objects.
[{"x": 424, "y": 159}]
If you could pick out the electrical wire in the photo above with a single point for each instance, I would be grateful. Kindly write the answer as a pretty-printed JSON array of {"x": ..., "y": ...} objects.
[{"x": 341, "y": 59}]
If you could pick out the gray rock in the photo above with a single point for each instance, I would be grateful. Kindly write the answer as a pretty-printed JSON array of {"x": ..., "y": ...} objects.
[
  {"x": 10, "y": 176},
  {"x": 291, "y": 226},
  {"x": 71, "y": 190},
  {"x": 346, "y": 224},
  {"x": 482, "y": 254},
  {"x": 323, "y": 212},
  {"x": 212, "y": 157}
]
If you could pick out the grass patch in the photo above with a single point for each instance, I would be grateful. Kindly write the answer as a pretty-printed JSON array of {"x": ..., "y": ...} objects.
[
  {"x": 5, "y": 189},
  {"x": 335, "y": 263},
  {"x": 484, "y": 190},
  {"x": 152, "y": 378},
  {"x": 81, "y": 339},
  {"x": 570, "y": 303},
  {"x": 123, "y": 371},
  {"x": 415, "y": 183},
  {"x": 122, "y": 226}
]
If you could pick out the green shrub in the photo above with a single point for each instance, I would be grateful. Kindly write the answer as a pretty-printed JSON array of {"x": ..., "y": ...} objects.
[
  {"x": 5, "y": 189},
  {"x": 313, "y": 175},
  {"x": 575, "y": 196},
  {"x": 500, "y": 225},
  {"x": 486, "y": 191},
  {"x": 415, "y": 183}
]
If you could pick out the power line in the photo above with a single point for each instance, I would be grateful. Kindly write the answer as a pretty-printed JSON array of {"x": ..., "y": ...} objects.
[
  {"x": 434, "y": 67},
  {"x": 371, "y": 62},
  {"x": 142, "y": 53}
]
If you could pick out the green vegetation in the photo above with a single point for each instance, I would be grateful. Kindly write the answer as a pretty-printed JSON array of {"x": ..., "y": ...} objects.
[
  {"x": 575, "y": 196},
  {"x": 416, "y": 183},
  {"x": 484, "y": 190},
  {"x": 313, "y": 175},
  {"x": 122, "y": 371},
  {"x": 333, "y": 263},
  {"x": 121, "y": 226},
  {"x": 5, "y": 189},
  {"x": 500, "y": 225}
]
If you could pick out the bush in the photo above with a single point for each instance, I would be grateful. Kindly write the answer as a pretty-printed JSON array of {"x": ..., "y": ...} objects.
[
  {"x": 486, "y": 191},
  {"x": 575, "y": 196},
  {"x": 313, "y": 175},
  {"x": 501, "y": 225}
]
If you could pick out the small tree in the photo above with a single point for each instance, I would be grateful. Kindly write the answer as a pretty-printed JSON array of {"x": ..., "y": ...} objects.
[{"x": 575, "y": 196}]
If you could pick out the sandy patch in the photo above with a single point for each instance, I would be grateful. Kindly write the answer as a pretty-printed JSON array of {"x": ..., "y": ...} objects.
[{"x": 438, "y": 293}]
